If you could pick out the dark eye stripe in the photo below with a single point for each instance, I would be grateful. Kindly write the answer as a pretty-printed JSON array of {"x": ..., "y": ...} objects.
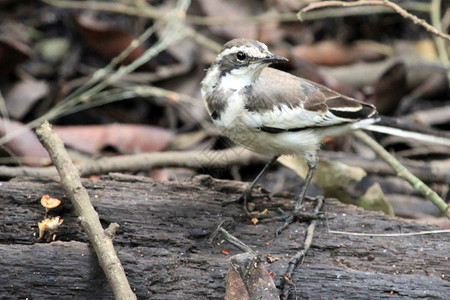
[{"x": 230, "y": 62}]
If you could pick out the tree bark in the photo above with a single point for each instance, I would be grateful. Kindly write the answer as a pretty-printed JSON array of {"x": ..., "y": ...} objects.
[{"x": 163, "y": 244}]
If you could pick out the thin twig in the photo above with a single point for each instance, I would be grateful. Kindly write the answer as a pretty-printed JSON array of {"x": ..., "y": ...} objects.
[
  {"x": 402, "y": 172},
  {"x": 150, "y": 12},
  {"x": 432, "y": 171},
  {"x": 202, "y": 40},
  {"x": 71, "y": 182},
  {"x": 435, "y": 14},
  {"x": 235, "y": 241},
  {"x": 105, "y": 71},
  {"x": 4, "y": 114},
  {"x": 148, "y": 161},
  {"x": 385, "y": 3},
  {"x": 183, "y": 102},
  {"x": 115, "y": 7},
  {"x": 171, "y": 32},
  {"x": 431, "y": 116},
  {"x": 390, "y": 234},
  {"x": 287, "y": 277}
]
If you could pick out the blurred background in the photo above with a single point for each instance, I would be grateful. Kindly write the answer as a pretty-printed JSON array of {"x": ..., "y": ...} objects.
[{"x": 71, "y": 62}]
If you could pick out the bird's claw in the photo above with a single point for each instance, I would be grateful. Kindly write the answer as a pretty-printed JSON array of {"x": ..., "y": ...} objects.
[
  {"x": 244, "y": 196},
  {"x": 289, "y": 218},
  {"x": 237, "y": 199}
]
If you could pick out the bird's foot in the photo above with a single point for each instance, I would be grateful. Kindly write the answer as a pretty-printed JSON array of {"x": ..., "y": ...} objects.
[
  {"x": 245, "y": 197},
  {"x": 237, "y": 199},
  {"x": 290, "y": 217}
]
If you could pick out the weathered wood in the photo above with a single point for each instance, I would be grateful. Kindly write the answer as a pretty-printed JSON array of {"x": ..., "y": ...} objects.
[{"x": 163, "y": 243}]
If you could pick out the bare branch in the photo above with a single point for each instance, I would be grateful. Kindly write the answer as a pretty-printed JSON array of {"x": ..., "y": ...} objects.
[
  {"x": 386, "y": 3},
  {"x": 404, "y": 173},
  {"x": 71, "y": 182}
]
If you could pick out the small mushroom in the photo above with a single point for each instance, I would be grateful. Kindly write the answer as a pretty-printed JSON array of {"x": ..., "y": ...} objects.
[
  {"x": 49, "y": 203},
  {"x": 42, "y": 226},
  {"x": 51, "y": 225}
]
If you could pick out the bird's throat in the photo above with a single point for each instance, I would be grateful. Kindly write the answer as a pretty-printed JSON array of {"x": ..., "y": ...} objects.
[{"x": 238, "y": 79}]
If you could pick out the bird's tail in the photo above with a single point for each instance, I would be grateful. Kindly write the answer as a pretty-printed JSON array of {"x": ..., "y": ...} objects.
[{"x": 406, "y": 129}]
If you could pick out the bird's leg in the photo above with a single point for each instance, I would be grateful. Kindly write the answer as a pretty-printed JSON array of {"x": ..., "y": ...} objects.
[
  {"x": 247, "y": 194},
  {"x": 311, "y": 161}
]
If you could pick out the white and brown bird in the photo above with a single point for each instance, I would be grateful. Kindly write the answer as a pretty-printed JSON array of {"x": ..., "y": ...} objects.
[{"x": 273, "y": 112}]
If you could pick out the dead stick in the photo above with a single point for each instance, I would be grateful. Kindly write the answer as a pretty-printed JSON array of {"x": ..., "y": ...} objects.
[
  {"x": 287, "y": 282},
  {"x": 148, "y": 161},
  {"x": 235, "y": 156},
  {"x": 386, "y": 3},
  {"x": 402, "y": 172},
  {"x": 429, "y": 172},
  {"x": 236, "y": 242},
  {"x": 70, "y": 180},
  {"x": 189, "y": 159}
]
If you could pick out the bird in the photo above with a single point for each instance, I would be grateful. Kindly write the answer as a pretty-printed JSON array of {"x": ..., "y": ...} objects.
[{"x": 275, "y": 113}]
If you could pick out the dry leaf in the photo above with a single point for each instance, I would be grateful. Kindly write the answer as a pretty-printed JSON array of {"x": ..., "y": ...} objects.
[
  {"x": 332, "y": 53},
  {"x": 26, "y": 146},
  {"x": 390, "y": 89},
  {"x": 127, "y": 138},
  {"x": 107, "y": 40},
  {"x": 23, "y": 96},
  {"x": 427, "y": 49},
  {"x": 271, "y": 259},
  {"x": 232, "y": 9},
  {"x": 248, "y": 279},
  {"x": 12, "y": 53}
]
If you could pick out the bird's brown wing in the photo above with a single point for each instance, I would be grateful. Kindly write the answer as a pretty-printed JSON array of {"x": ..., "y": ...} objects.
[
  {"x": 285, "y": 102},
  {"x": 342, "y": 106}
]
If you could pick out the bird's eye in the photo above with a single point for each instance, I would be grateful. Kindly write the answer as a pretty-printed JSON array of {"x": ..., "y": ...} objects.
[{"x": 241, "y": 56}]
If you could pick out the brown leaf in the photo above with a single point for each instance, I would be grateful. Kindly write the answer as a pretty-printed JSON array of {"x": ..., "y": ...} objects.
[
  {"x": 235, "y": 288},
  {"x": 232, "y": 9},
  {"x": 107, "y": 40},
  {"x": 442, "y": 222},
  {"x": 426, "y": 49},
  {"x": 127, "y": 138},
  {"x": 23, "y": 95},
  {"x": 248, "y": 279},
  {"x": 270, "y": 33},
  {"x": 390, "y": 89},
  {"x": 435, "y": 85},
  {"x": 12, "y": 53},
  {"x": 159, "y": 174},
  {"x": 271, "y": 259},
  {"x": 26, "y": 146},
  {"x": 332, "y": 53}
]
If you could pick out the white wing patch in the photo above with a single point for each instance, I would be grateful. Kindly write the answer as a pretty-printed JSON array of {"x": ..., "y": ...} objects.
[
  {"x": 292, "y": 118},
  {"x": 347, "y": 108}
]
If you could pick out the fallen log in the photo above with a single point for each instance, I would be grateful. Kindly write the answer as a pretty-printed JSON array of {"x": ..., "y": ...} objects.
[{"x": 163, "y": 244}]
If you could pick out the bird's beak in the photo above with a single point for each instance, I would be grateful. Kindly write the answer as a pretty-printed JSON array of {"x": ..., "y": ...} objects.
[{"x": 272, "y": 58}]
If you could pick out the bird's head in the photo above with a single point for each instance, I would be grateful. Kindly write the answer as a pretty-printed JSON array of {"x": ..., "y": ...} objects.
[{"x": 245, "y": 59}]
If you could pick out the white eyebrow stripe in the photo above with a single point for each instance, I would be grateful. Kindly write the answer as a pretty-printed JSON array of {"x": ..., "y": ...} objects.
[{"x": 249, "y": 50}]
